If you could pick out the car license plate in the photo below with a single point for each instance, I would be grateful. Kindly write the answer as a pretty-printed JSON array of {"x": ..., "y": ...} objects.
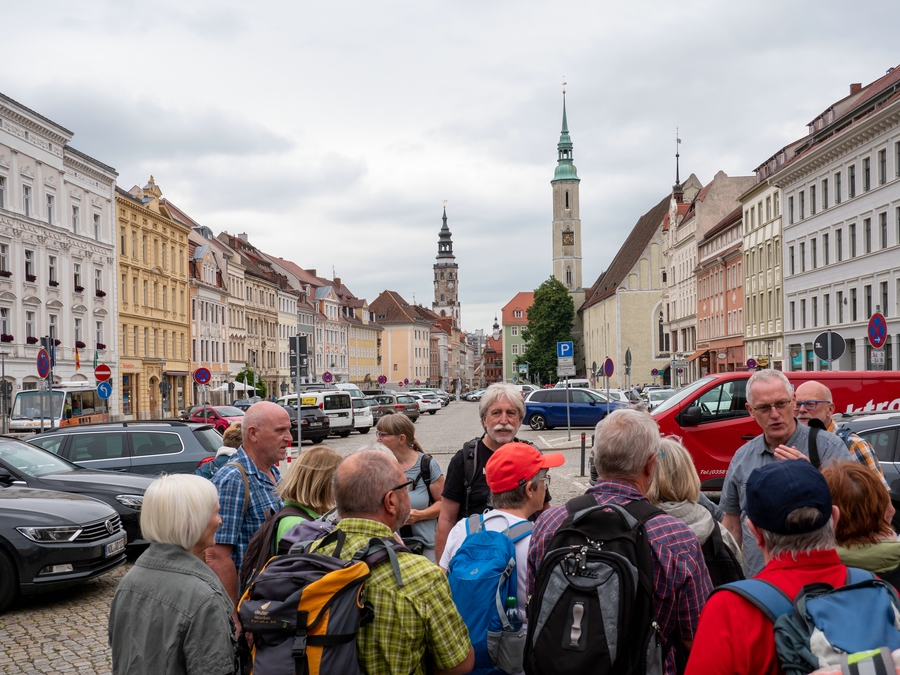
[
  {"x": 315, "y": 424},
  {"x": 334, "y": 414},
  {"x": 114, "y": 548}
]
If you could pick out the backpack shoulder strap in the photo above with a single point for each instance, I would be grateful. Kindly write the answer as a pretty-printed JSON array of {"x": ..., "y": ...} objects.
[
  {"x": 642, "y": 511},
  {"x": 844, "y": 434},
  {"x": 425, "y": 473},
  {"x": 379, "y": 550},
  {"x": 814, "y": 447},
  {"x": 520, "y": 530},
  {"x": 580, "y": 503},
  {"x": 768, "y": 598},
  {"x": 470, "y": 464},
  {"x": 246, "y": 482},
  {"x": 856, "y": 575}
]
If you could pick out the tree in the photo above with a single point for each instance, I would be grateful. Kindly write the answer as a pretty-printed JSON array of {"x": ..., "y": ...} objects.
[
  {"x": 550, "y": 320},
  {"x": 246, "y": 376}
]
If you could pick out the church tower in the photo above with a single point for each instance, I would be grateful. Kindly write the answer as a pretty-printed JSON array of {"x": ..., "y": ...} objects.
[
  {"x": 566, "y": 216},
  {"x": 446, "y": 277}
]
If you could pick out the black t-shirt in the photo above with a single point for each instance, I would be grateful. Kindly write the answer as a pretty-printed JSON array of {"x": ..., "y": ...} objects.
[{"x": 455, "y": 481}]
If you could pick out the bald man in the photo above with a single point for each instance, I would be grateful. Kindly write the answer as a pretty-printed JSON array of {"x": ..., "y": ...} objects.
[{"x": 814, "y": 401}]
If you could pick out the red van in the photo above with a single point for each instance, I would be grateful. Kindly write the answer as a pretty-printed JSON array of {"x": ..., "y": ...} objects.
[{"x": 711, "y": 417}]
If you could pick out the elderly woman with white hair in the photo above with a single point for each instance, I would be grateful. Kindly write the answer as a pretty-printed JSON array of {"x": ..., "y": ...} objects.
[{"x": 170, "y": 613}]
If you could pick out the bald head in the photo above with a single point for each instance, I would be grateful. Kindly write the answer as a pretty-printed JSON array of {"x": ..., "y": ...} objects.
[
  {"x": 361, "y": 486},
  {"x": 814, "y": 401},
  {"x": 266, "y": 431}
]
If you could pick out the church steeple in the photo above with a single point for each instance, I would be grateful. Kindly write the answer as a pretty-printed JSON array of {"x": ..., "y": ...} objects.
[
  {"x": 446, "y": 276},
  {"x": 445, "y": 243},
  {"x": 565, "y": 169}
]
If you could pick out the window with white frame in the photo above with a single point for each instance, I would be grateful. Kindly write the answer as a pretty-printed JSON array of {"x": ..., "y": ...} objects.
[
  {"x": 515, "y": 349},
  {"x": 4, "y": 320},
  {"x": 97, "y": 226},
  {"x": 77, "y": 270},
  {"x": 52, "y": 326},
  {"x": 29, "y": 264},
  {"x": 514, "y": 331},
  {"x": 98, "y": 280},
  {"x": 2, "y": 192},
  {"x": 517, "y": 313},
  {"x": 4, "y": 257},
  {"x": 29, "y": 324},
  {"x": 99, "y": 331},
  {"x": 51, "y": 199},
  {"x": 51, "y": 268},
  {"x": 26, "y": 200},
  {"x": 78, "y": 330},
  {"x": 76, "y": 218}
]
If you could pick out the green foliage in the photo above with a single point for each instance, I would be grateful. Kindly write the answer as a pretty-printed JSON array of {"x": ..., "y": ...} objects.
[
  {"x": 246, "y": 376},
  {"x": 550, "y": 320}
]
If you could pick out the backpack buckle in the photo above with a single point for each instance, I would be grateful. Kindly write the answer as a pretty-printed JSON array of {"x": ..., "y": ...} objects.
[{"x": 298, "y": 649}]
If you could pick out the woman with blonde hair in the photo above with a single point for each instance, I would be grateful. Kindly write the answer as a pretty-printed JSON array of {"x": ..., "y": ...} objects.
[
  {"x": 398, "y": 433},
  {"x": 170, "y": 613},
  {"x": 675, "y": 488},
  {"x": 308, "y": 485}
]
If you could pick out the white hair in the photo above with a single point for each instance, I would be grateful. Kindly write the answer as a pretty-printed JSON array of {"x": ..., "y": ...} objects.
[
  {"x": 497, "y": 391},
  {"x": 177, "y": 508},
  {"x": 624, "y": 442},
  {"x": 768, "y": 375}
]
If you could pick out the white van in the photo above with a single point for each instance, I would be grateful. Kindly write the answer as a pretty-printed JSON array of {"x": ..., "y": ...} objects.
[
  {"x": 573, "y": 383},
  {"x": 333, "y": 402}
]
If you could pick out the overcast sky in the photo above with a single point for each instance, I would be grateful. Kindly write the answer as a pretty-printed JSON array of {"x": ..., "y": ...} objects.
[{"x": 331, "y": 132}]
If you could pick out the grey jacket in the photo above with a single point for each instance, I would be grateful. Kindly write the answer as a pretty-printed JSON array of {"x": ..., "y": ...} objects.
[{"x": 171, "y": 615}]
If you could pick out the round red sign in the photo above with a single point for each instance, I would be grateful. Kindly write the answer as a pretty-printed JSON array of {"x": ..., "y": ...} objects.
[{"x": 102, "y": 373}]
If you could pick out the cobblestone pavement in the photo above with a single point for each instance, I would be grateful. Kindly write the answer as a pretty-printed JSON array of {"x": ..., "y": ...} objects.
[{"x": 65, "y": 632}]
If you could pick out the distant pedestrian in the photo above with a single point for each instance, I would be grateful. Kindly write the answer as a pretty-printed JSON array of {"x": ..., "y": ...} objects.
[
  {"x": 770, "y": 401},
  {"x": 170, "y": 613},
  {"x": 231, "y": 441},
  {"x": 247, "y": 488}
]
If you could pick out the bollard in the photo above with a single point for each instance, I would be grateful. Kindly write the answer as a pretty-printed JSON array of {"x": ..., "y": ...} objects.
[{"x": 582, "y": 454}]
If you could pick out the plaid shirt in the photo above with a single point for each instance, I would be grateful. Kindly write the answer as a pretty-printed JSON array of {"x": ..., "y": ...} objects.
[
  {"x": 681, "y": 581},
  {"x": 862, "y": 452},
  {"x": 238, "y": 528},
  {"x": 409, "y": 619}
]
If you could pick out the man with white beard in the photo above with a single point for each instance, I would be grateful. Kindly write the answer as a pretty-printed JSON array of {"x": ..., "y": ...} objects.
[{"x": 465, "y": 488}]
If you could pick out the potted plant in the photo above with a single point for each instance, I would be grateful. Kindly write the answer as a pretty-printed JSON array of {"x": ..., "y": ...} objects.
[
  {"x": 100, "y": 345},
  {"x": 79, "y": 344},
  {"x": 32, "y": 340},
  {"x": 53, "y": 282},
  {"x": 5, "y": 273},
  {"x": 79, "y": 289},
  {"x": 99, "y": 293},
  {"x": 5, "y": 338},
  {"x": 31, "y": 277}
]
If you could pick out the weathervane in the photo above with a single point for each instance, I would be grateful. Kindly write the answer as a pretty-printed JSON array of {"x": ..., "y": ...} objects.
[
  {"x": 564, "y": 85},
  {"x": 445, "y": 203}
]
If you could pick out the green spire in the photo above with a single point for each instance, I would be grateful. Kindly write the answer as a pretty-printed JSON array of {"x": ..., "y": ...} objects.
[{"x": 565, "y": 169}]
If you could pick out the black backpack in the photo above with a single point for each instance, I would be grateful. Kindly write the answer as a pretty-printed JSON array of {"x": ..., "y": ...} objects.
[
  {"x": 262, "y": 545},
  {"x": 599, "y": 552},
  {"x": 721, "y": 562}
]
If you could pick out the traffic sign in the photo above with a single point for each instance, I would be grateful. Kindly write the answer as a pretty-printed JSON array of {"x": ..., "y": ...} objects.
[
  {"x": 751, "y": 363},
  {"x": 829, "y": 345},
  {"x": 418, "y": 383},
  {"x": 43, "y": 363},
  {"x": 515, "y": 379},
  {"x": 102, "y": 373},
  {"x": 565, "y": 349},
  {"x": 405, "y": 380},
  {"x": 877, "y": 330},
  {"x": 382, "y": 379},
  {"x": 565, "y": 371},
  {"x": 654, "y": 372},
  {"x": 400, "y": 384},
  {"x": 608, "y": 367},
  {"x": 202, "y": 376},
  {"x": 876, "y": 356},
  {"x": 327, "y": 377},
  {"x": 681, "y": 371},
  {"x": 104, "y": 389}
]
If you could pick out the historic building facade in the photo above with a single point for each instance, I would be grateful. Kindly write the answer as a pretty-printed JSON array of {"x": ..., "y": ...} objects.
[
  {"x": 514, "y": 316},
  {"x": 57, "y": 251},
  {"x": 406, "y": 341},
  {"x": 446, "y": 277}
]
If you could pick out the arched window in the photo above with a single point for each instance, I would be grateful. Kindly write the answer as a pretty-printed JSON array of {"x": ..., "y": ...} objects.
[{"x": 567, "y": 199}]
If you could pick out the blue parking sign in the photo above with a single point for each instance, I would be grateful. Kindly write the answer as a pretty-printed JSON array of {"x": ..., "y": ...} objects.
[{"x": 565, "y": 350}]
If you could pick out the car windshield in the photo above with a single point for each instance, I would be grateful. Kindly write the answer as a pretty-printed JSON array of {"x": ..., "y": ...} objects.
[
  {"x": 229, "y": 411},
  {"x": 360, "y": 403},
  {"x": 31, "y": 460},
  {"x": 679, "y": 396},
  {"x": 29, "y": 404},
  {"x": 661, "y": 395},
  {"x": 209, "y": 438}
]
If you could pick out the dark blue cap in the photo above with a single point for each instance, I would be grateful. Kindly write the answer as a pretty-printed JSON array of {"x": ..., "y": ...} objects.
[{"x": 777, "y": 489}]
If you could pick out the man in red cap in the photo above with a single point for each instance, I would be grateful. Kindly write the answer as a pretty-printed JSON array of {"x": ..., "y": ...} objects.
[{"x": 517, "y": 475}]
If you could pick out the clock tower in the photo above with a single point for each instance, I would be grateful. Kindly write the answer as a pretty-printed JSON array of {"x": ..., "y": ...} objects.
[
  {"x": 446, "y": 277},
  {"x": 566, "y": 217}
]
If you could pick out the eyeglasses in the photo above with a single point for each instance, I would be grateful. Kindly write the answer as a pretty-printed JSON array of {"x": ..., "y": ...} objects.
[
  {"x": 381, "y": 434},
  {"x": 546, "y": 480},
  {"x": 408, "y": 485},
  {"x": 810, "y": 405},
  {"x": 766, "y": 408}
]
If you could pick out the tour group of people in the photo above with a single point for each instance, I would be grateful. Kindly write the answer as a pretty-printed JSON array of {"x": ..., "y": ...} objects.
[{"x": 780, "y": 519}]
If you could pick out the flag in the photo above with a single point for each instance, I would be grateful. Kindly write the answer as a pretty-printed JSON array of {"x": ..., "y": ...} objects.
[
  {"x": 96, "y": 359},
  {"x": 77, "y": 360}
]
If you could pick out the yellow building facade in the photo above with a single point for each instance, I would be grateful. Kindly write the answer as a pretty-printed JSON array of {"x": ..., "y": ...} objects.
[{"x": 154, "y": 321}]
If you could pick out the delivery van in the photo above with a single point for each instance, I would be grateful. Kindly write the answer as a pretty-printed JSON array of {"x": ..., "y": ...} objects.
[
  {"x": 333, "y": 402},
  {"x": 711, "y": 416}
]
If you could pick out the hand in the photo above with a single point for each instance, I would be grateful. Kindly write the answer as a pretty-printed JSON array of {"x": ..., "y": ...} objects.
[
  {"x": 785, "y": 452},
  {"x": 415, "y": 515}
]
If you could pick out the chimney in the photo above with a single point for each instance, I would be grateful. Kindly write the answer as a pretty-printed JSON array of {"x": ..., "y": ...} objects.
[
  {"x": 243, "y": 237},
  {"x": 313, "y": 272},
  {"x": 337, "y": 280},
  {"x": 855, "y": 88}
]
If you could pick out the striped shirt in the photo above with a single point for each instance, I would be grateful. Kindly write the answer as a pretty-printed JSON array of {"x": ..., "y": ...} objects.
[
  {"x": 411, "y": 619},
  {"x": 681, "y": 581}
]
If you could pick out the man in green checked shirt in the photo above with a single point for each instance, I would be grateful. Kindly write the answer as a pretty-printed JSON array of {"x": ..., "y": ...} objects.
[{"x": 415, "y": 621}]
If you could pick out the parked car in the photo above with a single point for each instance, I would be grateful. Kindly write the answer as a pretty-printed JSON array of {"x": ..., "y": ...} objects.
[
  {"x": 314, "y": 424},
  {"x": 655, "y": 397},
  {"x": 475, "y": 395},
  {"x": 376, "y": 408},
  {"x": 437, "y": 391},
  {"x": 335, "y": 403},
  {"x": 428, "y": 401},
  {"x": 573, "y": 383},
  {"x": 24, "y": 464},
  {"x": 362, "y": 415},
  {"x": 50, "y": 540},
  {"x": 524, "y": 389},
  {"x": 244, "y": 403},
  {"x": 548, "y": 408},
  {"x": 220, "y": 416},
  {"x": 148, "y": 447},
  {"x": 400, "y": 403}
]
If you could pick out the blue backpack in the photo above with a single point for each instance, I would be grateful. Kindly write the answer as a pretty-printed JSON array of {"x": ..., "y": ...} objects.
[
  {"x": 482, "y": 574},
  {"x": 823, "y": 624}
]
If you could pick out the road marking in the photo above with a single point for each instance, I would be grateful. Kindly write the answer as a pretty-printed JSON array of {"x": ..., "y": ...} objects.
[{"x": 577, "y": 484}]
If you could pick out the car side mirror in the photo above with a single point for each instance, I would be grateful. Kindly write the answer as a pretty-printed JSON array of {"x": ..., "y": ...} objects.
[
  {"x": 6, "y": 477},
  {"x": 691, "y": 417},
  {"x": 592, "y": 402}
]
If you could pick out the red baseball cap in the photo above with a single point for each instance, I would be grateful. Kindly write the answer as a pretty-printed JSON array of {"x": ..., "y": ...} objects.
[{"x": 513, "y": 464}]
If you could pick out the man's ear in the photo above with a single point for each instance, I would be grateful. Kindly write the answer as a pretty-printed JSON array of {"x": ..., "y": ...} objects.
[{"x": 835, "y": 515}]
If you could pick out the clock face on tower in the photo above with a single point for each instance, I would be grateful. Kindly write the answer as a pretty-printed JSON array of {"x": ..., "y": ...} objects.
[
  {"x": 568, "y": 238},
  {"x": 450, "y": 285}
]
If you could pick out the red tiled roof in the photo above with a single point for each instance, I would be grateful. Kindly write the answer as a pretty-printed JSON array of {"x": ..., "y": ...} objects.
[{"x": 522, "y": 300}]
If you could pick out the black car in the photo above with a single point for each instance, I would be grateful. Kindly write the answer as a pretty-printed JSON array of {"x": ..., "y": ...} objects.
[
  {"x": 882, "y": 432},
  {"x": 24, "y": 464},
  {"x": 149, "y": 447},
  {"x": 314, "y": 423},
  {"x": 49, "y": 540}
]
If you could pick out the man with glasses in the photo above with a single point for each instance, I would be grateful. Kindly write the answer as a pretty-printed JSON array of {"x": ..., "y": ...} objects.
[
  {"x": 412, "y": 618},
  {"x": 771, "y": 402},
  {"x": 814, "y": 401}
]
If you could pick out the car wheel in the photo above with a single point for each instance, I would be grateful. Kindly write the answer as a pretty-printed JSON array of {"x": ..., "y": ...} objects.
[
  {"x": 537, "y": 422},
  {"x": 364, "y": 430},
  {"x": 9, "y": 581},
  {"x": 344, "y": 434},
  {"x": 431, "y": 412}
]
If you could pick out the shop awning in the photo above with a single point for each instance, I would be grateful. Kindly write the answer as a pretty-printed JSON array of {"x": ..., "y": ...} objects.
[
  {"x": 696, "y": 354},
  {"x": 177, "y": 373}
]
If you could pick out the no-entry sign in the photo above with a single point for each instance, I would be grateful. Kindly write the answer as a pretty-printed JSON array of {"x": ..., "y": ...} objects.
[{"x": 102, "y": 373}]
